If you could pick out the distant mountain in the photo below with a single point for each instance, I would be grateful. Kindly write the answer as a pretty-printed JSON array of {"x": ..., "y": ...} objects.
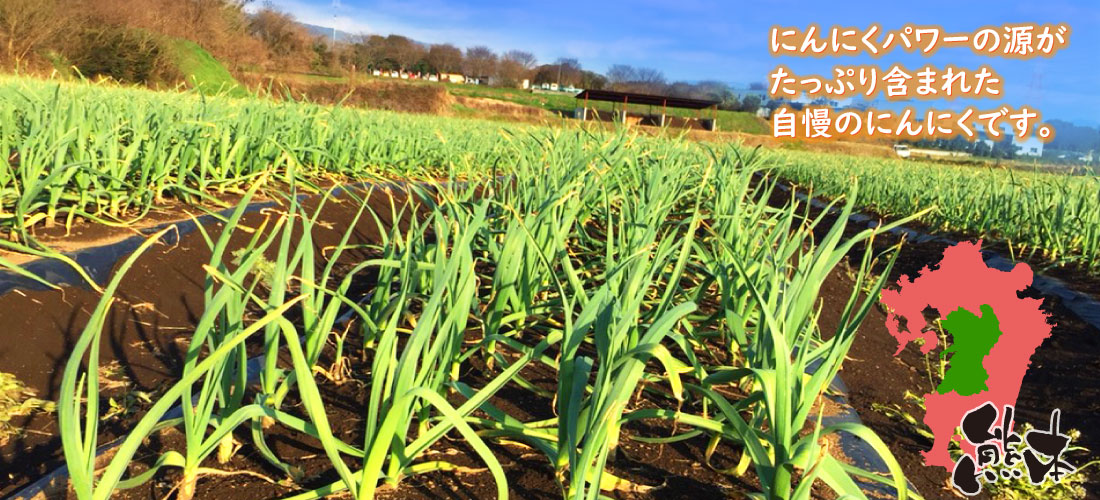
[
  {"x": 341, "y": 36},
  {"x": 326, "y": 31}
]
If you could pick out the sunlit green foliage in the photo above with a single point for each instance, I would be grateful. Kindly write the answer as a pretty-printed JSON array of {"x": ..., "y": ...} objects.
[
  {"x": 1051, "y": 215},
  {"x": 617, "y": 261}
]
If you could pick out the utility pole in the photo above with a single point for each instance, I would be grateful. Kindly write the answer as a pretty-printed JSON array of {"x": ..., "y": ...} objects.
[{"x": 335, "y": 7}]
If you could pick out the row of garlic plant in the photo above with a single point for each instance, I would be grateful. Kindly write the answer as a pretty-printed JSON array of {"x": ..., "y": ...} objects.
[
  {"x": 110, "y": 154},
  {"x": 616, "y": 261},
  {"x": 1051, "y": 215}
]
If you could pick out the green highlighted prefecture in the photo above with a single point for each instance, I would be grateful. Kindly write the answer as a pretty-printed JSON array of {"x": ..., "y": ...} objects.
[{"x": 974, "y": 336}]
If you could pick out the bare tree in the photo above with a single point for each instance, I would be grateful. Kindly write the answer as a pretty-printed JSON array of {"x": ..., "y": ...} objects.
[
  {"x": 624, "y": 77},
  {"x": 525, "y": 59},
  {"x": 403, "y": 52},
  {"x": 593, "y": 80},
  {"x": 369, "y": 51},
  {"x": 620, "y": 75},
  {"x": 569, "y": 71},
  {"x": 64, "y": 26},
  {"x": 219, "y": 26},
  {"x": 684, "y": 89},
  {"x": 197, "y": 13},
  {"x": 25, "y": 25},
  {"x": 650, "y": 80},
  {"x": 480, "y": 62},
  {"x": 287, "y": 42},
  {"x": 514, "y": 66},
  {"x": 445, "y": 58}
]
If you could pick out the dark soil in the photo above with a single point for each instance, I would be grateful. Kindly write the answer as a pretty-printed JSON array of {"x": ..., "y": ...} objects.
[
  {"x": 157, "y": 304},
  {"x": 655, "y": 471},
  {"x": 146, "y": 327},
  {"x": 146, "y": 333}
]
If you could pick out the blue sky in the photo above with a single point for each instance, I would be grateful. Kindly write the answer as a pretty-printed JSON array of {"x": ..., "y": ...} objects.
[{"x": 728, "y": 41}]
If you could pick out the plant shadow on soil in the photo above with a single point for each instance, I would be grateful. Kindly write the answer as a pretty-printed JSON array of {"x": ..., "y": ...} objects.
[
  {"x": 148, "y": 328},
  {"x": 145, "y": 336}
]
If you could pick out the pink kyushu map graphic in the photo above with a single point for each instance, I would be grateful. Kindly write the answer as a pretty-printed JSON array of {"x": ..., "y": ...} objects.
[{"x": 962, "y": 280}]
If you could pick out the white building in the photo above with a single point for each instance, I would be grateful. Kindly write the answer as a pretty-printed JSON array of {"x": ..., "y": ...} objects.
[{"x": 1031, "y": 146}]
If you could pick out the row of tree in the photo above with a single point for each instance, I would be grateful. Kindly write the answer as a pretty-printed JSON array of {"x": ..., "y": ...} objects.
[
  {"x": 365, "y": 53},
  {"x": 396, "y": 52},
  {"x": 123, "y": 39}
]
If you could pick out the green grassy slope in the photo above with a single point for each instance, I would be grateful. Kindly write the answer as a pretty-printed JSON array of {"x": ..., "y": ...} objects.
[{"x": 202, "y": 70}]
